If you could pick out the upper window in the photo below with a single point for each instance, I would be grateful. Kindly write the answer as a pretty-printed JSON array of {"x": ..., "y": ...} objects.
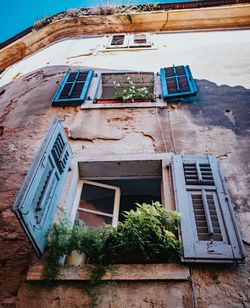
[
  {"x": 137, "y": 40},
  {"x": 125, "y": 88},
  {"x": 73, "y": 89},
  {"x": 114, "y": 88}
]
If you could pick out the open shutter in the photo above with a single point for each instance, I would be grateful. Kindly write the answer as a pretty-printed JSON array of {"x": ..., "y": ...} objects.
[
  {"x": 37, "y": 201},
  {"x": 208, "y": 226},
  {"x": 177, "y": 81},
  {"x": 73, "y": 89}
]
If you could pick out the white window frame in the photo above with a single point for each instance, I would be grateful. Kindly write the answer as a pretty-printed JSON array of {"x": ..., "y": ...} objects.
[
  {"x": 124, "y": 45},
  {"x": 117, "y": 197},
  {"x": 129, "y": 42},
  {"x": 132, "y": 43},
  {"x": 95, "y": 86}
]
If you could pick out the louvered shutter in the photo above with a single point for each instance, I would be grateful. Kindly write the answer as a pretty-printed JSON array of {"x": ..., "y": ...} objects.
[
  {"x": 209, "y": 228},
  {"x": 38, "y": 198},
  {"x": 73, "y": 89},
  {"x": 177, "y": 81}
]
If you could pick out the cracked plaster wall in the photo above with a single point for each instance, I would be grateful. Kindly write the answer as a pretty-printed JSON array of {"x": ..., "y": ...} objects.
[{"x": 200, "y": 125}]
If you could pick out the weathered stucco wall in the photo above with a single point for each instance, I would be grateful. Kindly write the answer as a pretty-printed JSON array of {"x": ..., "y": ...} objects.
[
  {"x": 237, "y": 16},
  {"x": 214, "y": 122}
]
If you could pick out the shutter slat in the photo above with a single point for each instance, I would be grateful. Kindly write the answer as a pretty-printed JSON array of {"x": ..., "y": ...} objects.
[{"x": 36, "y": 203}]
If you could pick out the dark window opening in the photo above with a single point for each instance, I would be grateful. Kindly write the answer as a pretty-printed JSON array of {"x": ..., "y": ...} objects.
[
  {"x": 117, "y": 40},
  {"x": 97, "y": 203}
]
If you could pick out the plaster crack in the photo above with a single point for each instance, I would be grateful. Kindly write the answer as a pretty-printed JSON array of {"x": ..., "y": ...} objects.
[{"x": 162, "y": 28}]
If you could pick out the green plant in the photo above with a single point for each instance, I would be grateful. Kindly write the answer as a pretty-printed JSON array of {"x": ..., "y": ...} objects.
[
  {"x": 40, "y": 23},
  {"x": 58, "y": 242},
  {"x": 131, "y": 91},
  {"x": 150, "y": 230},
  {"x": 62, "y": 240}
]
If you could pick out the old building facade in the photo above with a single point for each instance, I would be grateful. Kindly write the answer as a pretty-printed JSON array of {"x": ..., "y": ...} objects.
[{"x": 145, "y": 136}]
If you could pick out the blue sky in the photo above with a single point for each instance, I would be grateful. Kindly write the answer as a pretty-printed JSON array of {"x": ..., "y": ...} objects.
[{"x": 17, "y": 15}]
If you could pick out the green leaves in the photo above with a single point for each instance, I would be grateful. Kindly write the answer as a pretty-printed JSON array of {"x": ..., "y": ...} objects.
[
  {"x": 149, "y": 230},
  {"x": 131, "y": 91}
]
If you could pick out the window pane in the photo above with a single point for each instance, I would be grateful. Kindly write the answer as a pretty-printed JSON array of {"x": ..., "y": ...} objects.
[
  {"x": 140, "y": 39},
  {"x": 97, "y": 198},
  {"x": 92, "y": 220},
  {"x": 117, "y": 40}
]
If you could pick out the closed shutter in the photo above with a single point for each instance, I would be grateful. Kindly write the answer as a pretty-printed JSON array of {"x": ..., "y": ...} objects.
[
  {"x": 208, "y": 226},
  {"x": 177, "y": 81},
  {"x": 73, "y": 89},
  {"x": 38, "y": 198}
]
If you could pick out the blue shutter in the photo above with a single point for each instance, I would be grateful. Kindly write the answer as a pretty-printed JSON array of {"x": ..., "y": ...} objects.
[
  {"x": 73, "y": 89},
  {"x": 209, "y": 228},
  {"x": 177, "y": 81},
  {"x": 37, "y": 201}
]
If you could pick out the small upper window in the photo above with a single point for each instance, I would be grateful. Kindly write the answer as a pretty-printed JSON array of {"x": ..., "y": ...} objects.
[
  {"x": 117, "y": 41},
  {"x": 129, "y": 41},
  {"x": 139, "y": 40}
]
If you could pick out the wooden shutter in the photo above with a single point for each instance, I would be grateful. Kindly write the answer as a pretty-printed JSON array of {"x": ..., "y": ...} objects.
[
  {"x": 209, "y": 228},
  {"x": 73, "y": 89},
  {"x": 36, "y": 203},
  {"x": 177, "y": 81}
]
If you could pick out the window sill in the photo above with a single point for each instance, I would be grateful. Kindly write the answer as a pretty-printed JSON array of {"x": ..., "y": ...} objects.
[
  {"x": 170, "y": 271},
  {"x": 90, "y": 105}
]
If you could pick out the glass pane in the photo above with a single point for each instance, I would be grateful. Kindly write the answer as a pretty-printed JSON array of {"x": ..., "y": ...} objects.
[
  {"x": 92, "y": 220},
  {"x": 97, "y": 198}
]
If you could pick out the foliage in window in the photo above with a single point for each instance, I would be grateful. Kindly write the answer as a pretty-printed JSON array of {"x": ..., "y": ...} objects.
[
  {"x": 150, "y": 230},
  {"x": 131, "y": 91}
]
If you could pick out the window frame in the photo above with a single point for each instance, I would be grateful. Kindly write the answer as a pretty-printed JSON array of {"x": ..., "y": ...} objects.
[
  {"x": 129, "y": 43},
  {"x": 96, "y": 86},
  {"x": 124, "y": 45},
  {"x": 132, "y": 43},
  {"x": 116, "y": 206}
]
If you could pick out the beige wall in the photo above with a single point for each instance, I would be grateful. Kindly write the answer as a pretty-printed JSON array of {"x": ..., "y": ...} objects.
[{"x": 236, "y": 16}]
